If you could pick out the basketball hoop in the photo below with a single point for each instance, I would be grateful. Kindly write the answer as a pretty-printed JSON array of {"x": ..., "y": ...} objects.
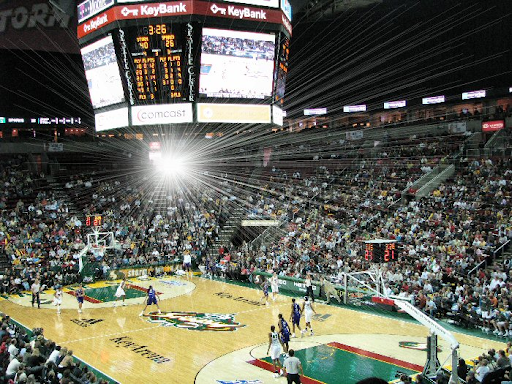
[
  {"x": 100, "y": 239},
  {"x": 98, "y": 249}
]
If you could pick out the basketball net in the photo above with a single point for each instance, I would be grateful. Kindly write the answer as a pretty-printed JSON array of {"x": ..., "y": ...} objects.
[{"x": 96, "y": 249}]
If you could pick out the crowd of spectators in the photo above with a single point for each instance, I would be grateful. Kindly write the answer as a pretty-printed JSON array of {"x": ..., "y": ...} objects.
[
  {"x": 32, "y": 229},
  {"x": 329, "y": 211},
  {"x": 490, "y": 367},
  {"x": 27, "y": 357},
  {"x": 42, "y": 236},
  {"x": 449, "y": 237}
]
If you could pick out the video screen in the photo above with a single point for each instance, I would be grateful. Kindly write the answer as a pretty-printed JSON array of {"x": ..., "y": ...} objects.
[
  {"x": 102, "y": 73},
  {"x": 236, "y": 64}
]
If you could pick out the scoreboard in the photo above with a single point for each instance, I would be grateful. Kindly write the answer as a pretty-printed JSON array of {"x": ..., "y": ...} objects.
[
  {"x": 93, "y": 221},
  {"x": 381, "y": 251},
  {"x": 156, "y": 62},
  {"x": 171, "y": 62}
]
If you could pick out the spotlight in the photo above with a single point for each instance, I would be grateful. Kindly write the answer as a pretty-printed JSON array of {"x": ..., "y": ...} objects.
[{"x": 171, "y": 166}]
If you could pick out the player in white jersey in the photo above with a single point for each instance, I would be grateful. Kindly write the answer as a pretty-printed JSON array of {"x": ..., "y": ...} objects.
[
  {"x": 187, "y": 263},
  {"x": 308, "y": 310},
  {"x": 275, "y": 348},
  {"x": 120, "y": 291},
  {"x": 274, "y": 286},
  {"x": 57, "y": 297}
]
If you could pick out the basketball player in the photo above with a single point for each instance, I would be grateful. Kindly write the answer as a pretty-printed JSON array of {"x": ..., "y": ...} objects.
[
  {"x": 295, "y": 317},
  {"x": 274, "y": 285},
  {"x": 120, "y": 291},
  {"x": 187, "y": 263},
  {"x": 152, "y": 296},
  {"x": 308, "y": 310},
  {"x": 36, "y": 290},
  {"x": 57, "y": 298},
  {"x": 264, "y": 287},
  {"x": 284, "y": 331},
  {"x": 274, "y": 345},
  {"x": 79, "y": 294}
]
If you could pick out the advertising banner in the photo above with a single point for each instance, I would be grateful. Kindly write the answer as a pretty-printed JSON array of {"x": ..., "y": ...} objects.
[
  {"x": 354, "y": 108},
  {"x": 258, "y": 3},
  {"x": 38, "y": 25},
  {"x": 293, "y": 285},
  {"x": 473, "y": 95},
  {"x": 297, "y": 286},
  {"x": 145, "y": 271},
  {"x": 277, "y": 116},
  {"x": 395, "y": 104},
  {"x": 315, "y": 111},
  {"x": 287, "y": 9},
  {"x": 491, "y": 126},
  {"x": 458, "y": 127},
  {"x": 90, "y": 8},
  {"x": 55, "y": 147},
  {"x": 162, "y": 114},
  {"x": 433, "y": 100},
  {"x": 178, "y": 8},
  {"x": 117, "y": 118},
  {"x": 233, "y": 113},
  {"x": 354, "y": 135}
]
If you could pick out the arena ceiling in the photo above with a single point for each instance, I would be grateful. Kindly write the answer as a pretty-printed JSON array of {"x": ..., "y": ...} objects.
[
  {"x": 362, "y": 51},
  {"x": 324, "y": 9}
]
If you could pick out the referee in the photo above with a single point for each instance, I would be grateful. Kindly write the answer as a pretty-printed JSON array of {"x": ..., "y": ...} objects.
[
  {"x": 36, "y": 290},
  {"x": 291, "y": 367},
  {"x": 309, "y": 287}
]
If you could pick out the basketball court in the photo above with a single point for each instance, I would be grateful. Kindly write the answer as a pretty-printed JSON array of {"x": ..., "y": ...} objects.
[{"x": 215, "y": 332}]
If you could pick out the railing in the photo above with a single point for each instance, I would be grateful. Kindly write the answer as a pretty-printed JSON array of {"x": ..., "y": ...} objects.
[
  {"x": 425, "y": 178},
  {"x": 268, "y": 232},
  {"x": 440, "y": 175},
  {"x": 489, "y": 259},
  {"x": 494, "y": 139},
  {"x": 464, "y": 146}
]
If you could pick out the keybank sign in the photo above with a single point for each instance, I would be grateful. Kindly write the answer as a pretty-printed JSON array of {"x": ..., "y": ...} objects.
[{"x": 162, "y": 114}]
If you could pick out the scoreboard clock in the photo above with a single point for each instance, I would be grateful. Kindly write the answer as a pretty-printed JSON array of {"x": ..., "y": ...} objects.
[
  {"x": 155, "y": 58},
  {"x": 185, "y": 61},
  {"x": 94, "y": 221},
  {"x": 380, "y": 251}
]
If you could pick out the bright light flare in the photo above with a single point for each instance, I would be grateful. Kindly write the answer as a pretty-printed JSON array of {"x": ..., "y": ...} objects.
[{"x": 172, "y": 166}]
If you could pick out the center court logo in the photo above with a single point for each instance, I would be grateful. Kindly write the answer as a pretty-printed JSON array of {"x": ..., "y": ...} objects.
[{"x": 195, "y": 321}]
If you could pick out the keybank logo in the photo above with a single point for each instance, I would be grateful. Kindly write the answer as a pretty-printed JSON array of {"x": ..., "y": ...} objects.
[
  {"x": 162, "y": 114},
  {"x": 96, "y": 23}
]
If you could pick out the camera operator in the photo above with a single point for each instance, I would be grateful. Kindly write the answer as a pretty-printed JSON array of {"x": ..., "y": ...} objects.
[{"x": 404, "y": 379}]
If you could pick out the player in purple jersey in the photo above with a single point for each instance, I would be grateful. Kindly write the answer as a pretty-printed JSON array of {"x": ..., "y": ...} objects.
[
  {"x": 284, "y": 330},
  {"x": 151, "y": 299},
  {"x": 264, "y": 287},
  {"x": 295, "y": 316},
  {"x": 79, "y": 294}
]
